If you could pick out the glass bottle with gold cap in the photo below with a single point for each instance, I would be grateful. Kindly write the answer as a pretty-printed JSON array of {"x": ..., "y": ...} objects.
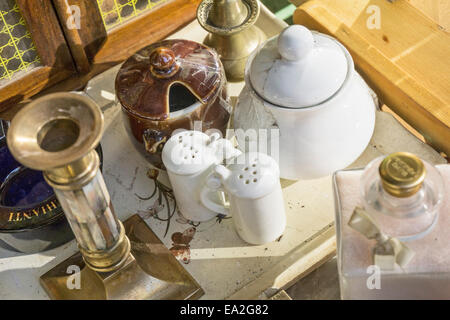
[{"x": 403, "y": 194}]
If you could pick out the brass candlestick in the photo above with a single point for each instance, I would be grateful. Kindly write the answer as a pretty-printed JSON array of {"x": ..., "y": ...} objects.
[
  {"x": 232, "y": 32},
  {"x": 57, "y": 134}
]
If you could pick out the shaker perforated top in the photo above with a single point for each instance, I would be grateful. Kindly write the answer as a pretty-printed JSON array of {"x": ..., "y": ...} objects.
[
  {"x": 189, "y": 152},
  {"x": 252, "y": 175},
  {"x": 298, "y": 68},
  {"x": 144, "y": 81}
]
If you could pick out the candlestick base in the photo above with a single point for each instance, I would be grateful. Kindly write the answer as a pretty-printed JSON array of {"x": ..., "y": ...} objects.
[{"x": 151, "y": 272}]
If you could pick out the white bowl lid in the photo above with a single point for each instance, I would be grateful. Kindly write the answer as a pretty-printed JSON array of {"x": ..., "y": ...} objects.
[{"x": 298, "y": 68}]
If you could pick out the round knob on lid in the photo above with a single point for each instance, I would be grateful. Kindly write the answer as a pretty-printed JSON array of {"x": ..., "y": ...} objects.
[
  {"x": 311, "y": 69},
  {"x": 295, "y": 43},
  {"x": 163, "y": 62}
]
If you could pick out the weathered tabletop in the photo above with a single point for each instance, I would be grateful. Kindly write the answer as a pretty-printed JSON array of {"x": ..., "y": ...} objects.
[{"x": 223, "y": 264}]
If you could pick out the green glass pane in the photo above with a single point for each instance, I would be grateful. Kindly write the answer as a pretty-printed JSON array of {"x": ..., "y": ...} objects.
[
  {"x": 17, "y": 51},
  {"x": 117, "y": 12}
]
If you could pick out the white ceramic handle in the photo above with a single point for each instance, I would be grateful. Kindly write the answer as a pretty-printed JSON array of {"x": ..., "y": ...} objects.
[
  {"x": 223, "y": 147},
  {"x": 212, "y": 185}
]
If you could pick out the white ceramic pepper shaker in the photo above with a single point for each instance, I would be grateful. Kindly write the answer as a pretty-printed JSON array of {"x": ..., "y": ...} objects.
[
  {"x": 189, "y": 157},
  {"x": 252, "y": 184}
]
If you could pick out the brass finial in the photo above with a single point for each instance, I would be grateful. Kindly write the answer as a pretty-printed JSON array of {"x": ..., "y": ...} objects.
[
  {"x": 402, "y": 174},
  {"x": 232, "y": 32}
]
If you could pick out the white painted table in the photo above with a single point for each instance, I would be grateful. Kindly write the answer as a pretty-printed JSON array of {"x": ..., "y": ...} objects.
[{"x": 223, "y": 264}]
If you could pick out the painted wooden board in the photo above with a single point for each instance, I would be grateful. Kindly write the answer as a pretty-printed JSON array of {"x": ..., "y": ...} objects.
[
  {"x": 223, "y": 264},
  {"x": 399, "y": 51}
]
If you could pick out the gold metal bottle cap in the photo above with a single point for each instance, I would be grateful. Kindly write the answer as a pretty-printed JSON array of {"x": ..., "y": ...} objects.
[{"x": 402, "y": 174}]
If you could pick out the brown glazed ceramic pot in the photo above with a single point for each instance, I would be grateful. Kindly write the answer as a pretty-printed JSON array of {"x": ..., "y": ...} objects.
[{"x": 171, "y": 85}]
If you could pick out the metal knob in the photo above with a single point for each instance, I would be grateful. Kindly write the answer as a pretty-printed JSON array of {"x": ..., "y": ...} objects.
[{"x": 402, "y": 174}]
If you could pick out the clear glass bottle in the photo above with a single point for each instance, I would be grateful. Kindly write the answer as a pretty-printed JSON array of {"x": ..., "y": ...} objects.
[
  {"x": 406, "y": 199},
  {"x": 403, "y": 194}
]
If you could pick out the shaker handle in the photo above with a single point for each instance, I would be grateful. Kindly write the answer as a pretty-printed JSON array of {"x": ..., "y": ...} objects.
[{"x": 213, "y": 185}]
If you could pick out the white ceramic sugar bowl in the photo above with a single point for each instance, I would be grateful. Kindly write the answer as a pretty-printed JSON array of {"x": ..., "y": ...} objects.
[
  {"x": 189, "y": 156},
  {"x": 305, "y": 84},
  {"x": 252, "y": 183}
]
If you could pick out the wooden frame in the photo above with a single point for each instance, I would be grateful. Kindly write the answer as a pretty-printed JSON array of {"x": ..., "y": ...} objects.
[
  {"x": 57, "y": 63},
  {"x": 95, "y": 50}
]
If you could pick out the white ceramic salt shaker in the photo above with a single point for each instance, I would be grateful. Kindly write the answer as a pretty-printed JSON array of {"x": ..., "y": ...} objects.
[
  {"x": 189, "y": 157},
  {"x": 252, "y": 184}
]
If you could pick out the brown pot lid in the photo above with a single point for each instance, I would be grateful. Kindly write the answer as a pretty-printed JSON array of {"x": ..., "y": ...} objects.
[{"x": 144, "y": 80}]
